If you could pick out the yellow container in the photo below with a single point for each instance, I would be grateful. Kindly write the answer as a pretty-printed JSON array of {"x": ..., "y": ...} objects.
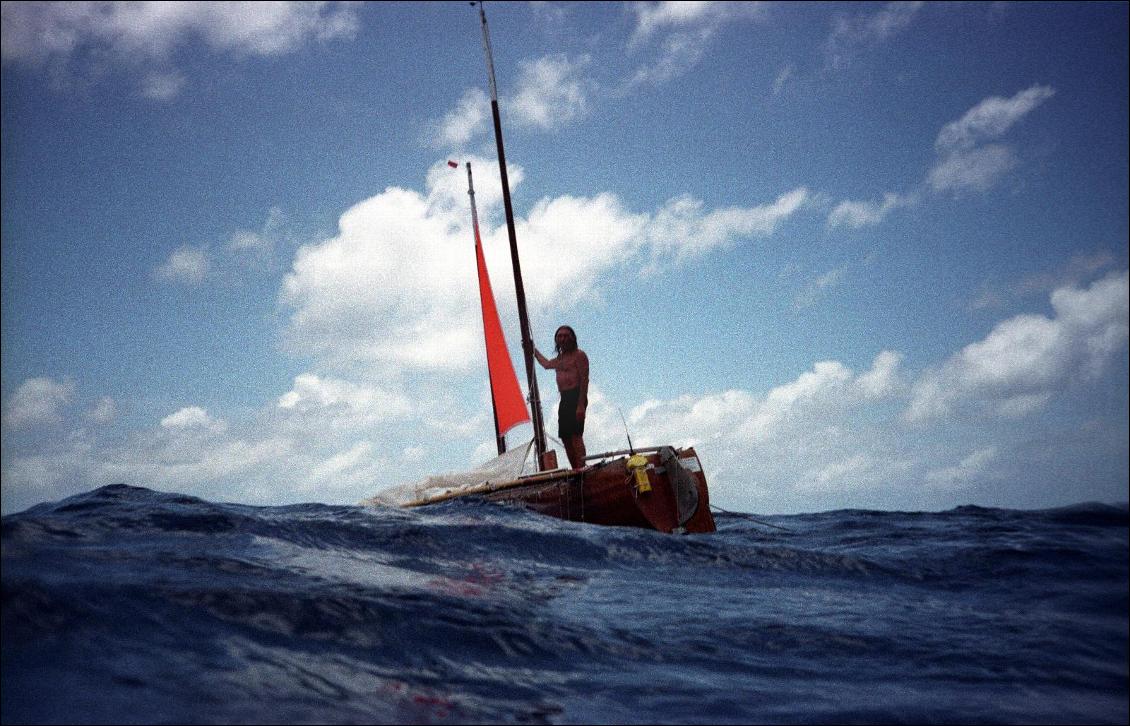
[{"x": 637, "y": 464}]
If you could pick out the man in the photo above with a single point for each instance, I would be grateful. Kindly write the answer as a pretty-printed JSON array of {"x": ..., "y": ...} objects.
[{"x": 572, "y": 366}]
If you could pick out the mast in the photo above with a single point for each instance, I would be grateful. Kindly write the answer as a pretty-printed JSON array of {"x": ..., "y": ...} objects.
[{"x": 519, "y": 288}]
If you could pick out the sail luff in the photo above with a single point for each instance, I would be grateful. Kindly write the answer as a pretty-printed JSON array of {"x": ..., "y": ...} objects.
[{"x": 506, "y": 395}]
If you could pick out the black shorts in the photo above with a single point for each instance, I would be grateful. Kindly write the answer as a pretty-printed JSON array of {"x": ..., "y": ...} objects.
[{"x": 567, "y": 423}]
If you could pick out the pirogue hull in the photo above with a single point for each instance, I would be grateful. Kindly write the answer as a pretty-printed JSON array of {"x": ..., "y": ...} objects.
[{"x": 661, "y": 488}]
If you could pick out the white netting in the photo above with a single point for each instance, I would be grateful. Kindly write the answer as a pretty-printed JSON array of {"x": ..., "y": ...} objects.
[{"x": 506, "y": 467}]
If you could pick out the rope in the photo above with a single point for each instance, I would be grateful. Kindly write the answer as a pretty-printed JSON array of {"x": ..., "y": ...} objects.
[{"x": 743, "y": 515}]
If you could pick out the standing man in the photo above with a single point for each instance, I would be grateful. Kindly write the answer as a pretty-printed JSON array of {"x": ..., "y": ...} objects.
[{"x": 572, "y": 367}]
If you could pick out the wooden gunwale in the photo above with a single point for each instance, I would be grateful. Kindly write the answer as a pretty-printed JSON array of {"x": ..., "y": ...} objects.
[{"x": 491, "y": 487}]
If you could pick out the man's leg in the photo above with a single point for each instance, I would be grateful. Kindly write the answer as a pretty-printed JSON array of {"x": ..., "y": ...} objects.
[{"x": 575, "y": 450}]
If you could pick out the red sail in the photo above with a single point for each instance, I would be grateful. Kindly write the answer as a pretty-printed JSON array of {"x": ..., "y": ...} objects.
[{"x": 509, "y": 406}]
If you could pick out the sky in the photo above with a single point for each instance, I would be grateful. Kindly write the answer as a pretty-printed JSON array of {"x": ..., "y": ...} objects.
[{"x": 858, "y": 255}]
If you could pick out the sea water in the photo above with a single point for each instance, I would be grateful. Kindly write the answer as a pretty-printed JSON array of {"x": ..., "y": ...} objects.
[{"x": 127, "y": 605}]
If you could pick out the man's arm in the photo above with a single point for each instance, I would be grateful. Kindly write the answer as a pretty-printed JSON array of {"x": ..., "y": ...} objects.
[{"x": 545, "y": 362}]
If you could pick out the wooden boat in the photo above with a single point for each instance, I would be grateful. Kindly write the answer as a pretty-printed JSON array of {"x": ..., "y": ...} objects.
[{"x": 661, "y": 488}]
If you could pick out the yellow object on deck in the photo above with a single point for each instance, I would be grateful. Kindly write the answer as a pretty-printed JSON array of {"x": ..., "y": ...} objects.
[{"x": 637, "y": 464}]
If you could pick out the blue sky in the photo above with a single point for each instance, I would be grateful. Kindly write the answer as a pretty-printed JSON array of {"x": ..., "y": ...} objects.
[{"x": 859, "y": 255}]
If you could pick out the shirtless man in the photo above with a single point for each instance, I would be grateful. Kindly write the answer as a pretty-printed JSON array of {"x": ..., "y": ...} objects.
[{"x": 572, "y": 367}]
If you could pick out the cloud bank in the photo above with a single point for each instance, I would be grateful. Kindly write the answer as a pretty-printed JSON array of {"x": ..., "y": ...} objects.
[
  {"x": 394, "y": 287},
  {"x": 142, "y": 36}
]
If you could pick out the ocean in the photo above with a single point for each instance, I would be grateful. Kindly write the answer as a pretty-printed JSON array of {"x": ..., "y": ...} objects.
[{"x": 128, "y": 605}]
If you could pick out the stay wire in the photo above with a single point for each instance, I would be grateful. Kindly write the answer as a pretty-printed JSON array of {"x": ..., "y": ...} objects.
[{"x": 743, "y": 515}]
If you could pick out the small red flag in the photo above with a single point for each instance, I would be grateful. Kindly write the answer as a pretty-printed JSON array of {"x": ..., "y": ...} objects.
[{"x": 453, "y": 164}]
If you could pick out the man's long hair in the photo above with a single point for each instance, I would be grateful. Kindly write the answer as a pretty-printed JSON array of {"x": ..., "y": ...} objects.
[{"x": 570, "y": 344}]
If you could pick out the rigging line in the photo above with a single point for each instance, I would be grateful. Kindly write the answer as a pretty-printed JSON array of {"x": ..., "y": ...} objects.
[
  {"x": 631, "y": 449},
  {"x": 743, "y": 515}
]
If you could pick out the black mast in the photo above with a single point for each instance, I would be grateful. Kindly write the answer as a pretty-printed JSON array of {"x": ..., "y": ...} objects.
[{"x": 519, "y": 288}]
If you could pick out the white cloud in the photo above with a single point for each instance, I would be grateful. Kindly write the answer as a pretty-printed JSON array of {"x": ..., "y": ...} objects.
[
  {"x": 965, "y": 162},
  {"x": 850, "y": 473},
  {"x": 975, "y": 170},
  {"x": 990, "y": 119},
  {"x": 144, "y": 35},
  {"x": 338, "y": 403},
  {"x": 37, "y": 402},
  {"x": 263, "y": 241},
  {"x": 812, "y": 435},
  {"x": 190, "y": 418},
  {"x": 396, "y": 287},
  {"x": 653, "y": 17},
  {"x": 830, "y": 437},
  {"x": 1080, "y": 267},
  {"x": 815, "y": 289},
  {"x": 1024, "y": 360},
  {"x": 856, "y": 214},
  {"x": 685, "y": 30},
  {"x": 851, "y": 36},
  {"x": 354, "y": 461},
  {"x": 104, "y": 411},
  {"x": 683, "y": 229},
  {"x": 690, "y": 420},
  {"x": 162, "y": 86},
  {"x": 551, "y": 92},
  {"x": 187, "y": 264},
  {"x": 572, "y": 241},
  {"x": 972, "y": 466},
  {"x": 462, "y": 123},
  {"x": 741, "y": 418},
  {"x": 884, "y": 378},
  {"x": 785, "y": 75}
]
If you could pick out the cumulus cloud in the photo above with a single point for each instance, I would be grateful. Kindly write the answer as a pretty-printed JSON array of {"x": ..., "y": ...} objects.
[
  {"x": 832, "y": 436},
  {"x": 338, "y": 403},
  {"x": 814, "y": 434},
  {"x": 740, "y": 416},
  {"x": 192, "y": 418},
  {"x": 186, "y": 265},
  {"x": 37, "y": 402},
  {"x": 1022, "y": 362},
  {"x": 396, "y": 286},
  {"x": 144, "y": 35}
]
